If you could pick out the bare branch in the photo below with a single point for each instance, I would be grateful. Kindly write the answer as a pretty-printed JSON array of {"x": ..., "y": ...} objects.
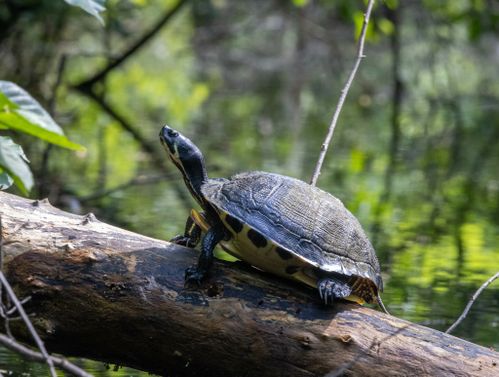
[
  {"x": 471, "y": 302},
  {"x": 139, "y": 180},
  {"x": 156, "y": 157},
  {"x": 86, "y": 87},
  {"x": 8, "y": 340},
  {"x": 13, "y": 310},
  {"x": 29, "y": 325},
  {"x": 126, "y": 125},
  {"x": 344, "y": 92},
  {"x": 99, "y": 76},
  {"x": 42, "y": 176},
  {"x": 1, "y": 252},
  {"x": 3, "y": 308},
  {"x": 29, "y": 354}
]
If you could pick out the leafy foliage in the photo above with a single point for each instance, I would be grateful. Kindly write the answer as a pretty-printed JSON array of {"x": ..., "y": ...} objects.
[
  {"x": 14, "y": 167},
  {"x": 21, "y": 112}
]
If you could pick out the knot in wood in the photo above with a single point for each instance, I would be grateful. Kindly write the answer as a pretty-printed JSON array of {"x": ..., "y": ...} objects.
[
  {"x": 39, "y": 203},
  {"x": 346, "y": 338},
  {"x": 89, "y": 217}
]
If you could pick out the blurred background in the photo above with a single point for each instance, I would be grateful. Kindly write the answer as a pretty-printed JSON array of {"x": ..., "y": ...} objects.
[{"x": 415, "y": 155}]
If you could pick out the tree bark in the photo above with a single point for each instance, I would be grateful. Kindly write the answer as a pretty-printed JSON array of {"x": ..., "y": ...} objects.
[{"x": 105, "y": 293}]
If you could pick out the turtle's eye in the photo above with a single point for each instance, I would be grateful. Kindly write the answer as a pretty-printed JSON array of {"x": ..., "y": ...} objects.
[{"x": 172, "y": 133}]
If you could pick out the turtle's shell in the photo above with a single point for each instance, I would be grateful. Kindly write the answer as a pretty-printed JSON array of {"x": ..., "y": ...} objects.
[{"x": 303, "y": 219}]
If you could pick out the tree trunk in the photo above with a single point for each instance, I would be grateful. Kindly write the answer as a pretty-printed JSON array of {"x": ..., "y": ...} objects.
[{"x": 105, "y": 293}]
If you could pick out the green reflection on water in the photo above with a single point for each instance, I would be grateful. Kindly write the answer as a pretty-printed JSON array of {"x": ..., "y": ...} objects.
[
  {"x": 11, "y": 364},
  {"x": 428, "y": 280}
]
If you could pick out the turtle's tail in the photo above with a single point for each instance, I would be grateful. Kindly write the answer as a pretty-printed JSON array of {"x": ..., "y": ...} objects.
[{"x": 381, "y": 305}]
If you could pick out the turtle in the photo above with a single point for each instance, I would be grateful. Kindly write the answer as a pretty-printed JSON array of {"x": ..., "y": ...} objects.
[{"x": 277, "y": 224}]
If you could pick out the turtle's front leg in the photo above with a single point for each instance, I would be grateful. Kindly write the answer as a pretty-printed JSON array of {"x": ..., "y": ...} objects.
[
  {"x": 191, "y": 235},
  {"x": 197, "y": 273}
]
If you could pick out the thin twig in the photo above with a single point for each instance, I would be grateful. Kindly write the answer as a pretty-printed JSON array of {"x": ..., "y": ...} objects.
[
  {"x": 37, "y": 356},
  {"x": 3, "y": 307},
  {"x": 1, "y": 252},
  {"x": 13, "y": 310},
  {"x": 471, "y": 302},
  {"x": 8, "y": 340},
  {"x": 139, "y": 180},
  {"x": 86, "y": 87},
  {"x": 344, "y": 92},
  {"x": 382, "y": 305},
  {"x": 29, "y": 325},
  {"x": 146, "y": 146},
  {"x": 43, "y": 175}
]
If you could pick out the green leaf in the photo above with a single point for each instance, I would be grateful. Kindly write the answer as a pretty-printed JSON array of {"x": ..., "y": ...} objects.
[
  {"x": 300, "y": 3},
  {"x": 386, "y": 26},
  {"x": 5, "y": 180},
  {"x": 14, "y": 162},
  {"x": 19, "y": 111},
  {"x": 4, "y": 101},
  {"x": 391, "y": 4},
  {"x": 93, "y": 7}
]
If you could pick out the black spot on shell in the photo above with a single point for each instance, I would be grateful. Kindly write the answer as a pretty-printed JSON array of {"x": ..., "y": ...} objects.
[
  {"x": 256, "y": 238},
  {"x": 292, "y": 270},
  {"x": 234, "y": 223},
  {"x": 284, "y": 254}
]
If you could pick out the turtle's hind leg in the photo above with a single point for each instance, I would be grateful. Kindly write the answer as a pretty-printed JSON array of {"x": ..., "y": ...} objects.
[{"x": 331, "y": 289}]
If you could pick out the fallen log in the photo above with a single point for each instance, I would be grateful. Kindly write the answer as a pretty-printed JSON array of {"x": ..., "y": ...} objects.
[{"x": 105, "y": 293}]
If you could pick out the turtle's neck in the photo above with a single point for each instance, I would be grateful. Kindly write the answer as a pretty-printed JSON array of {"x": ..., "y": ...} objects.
[{"x": 195, "y": 175}]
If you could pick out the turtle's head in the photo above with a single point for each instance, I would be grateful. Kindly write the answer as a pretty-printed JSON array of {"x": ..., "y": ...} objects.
[
  {"x": 187, "y": 157},
  {"x": 180, "y": 149}
]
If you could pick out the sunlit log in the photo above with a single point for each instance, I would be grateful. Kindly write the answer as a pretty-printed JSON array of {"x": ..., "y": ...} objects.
[{"x": 105, "y": 293}]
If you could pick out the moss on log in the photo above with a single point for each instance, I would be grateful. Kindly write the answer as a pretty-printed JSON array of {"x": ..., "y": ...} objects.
[{"x": 105, "y": 293}]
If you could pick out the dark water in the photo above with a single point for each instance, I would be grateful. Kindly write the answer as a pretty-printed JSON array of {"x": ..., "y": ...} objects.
[
  {"x": 428, "y": 276},
  {"x": 428, "y": 279},
  {"x": 12, "y": 365}
]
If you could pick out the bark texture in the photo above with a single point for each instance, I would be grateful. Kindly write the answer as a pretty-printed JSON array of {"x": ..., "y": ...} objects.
[{"x": 105, "y": 293}]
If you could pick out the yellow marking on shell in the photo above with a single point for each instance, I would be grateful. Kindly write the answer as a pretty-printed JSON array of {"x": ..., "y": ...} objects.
[{"x": 265, "y": 258}]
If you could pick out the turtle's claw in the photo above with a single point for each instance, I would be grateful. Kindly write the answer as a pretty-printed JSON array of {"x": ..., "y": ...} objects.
[
  {"x": 325, "y": 287},
  {"x": 183, "y": 241},
  {"x": 325, "y": 290},
  {"x": 331, "y": 289},
  {"x": 194, "y": 275}
]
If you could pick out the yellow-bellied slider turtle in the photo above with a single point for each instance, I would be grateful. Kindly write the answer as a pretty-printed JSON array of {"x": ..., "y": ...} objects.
[{"x": 276, "y": 223}]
